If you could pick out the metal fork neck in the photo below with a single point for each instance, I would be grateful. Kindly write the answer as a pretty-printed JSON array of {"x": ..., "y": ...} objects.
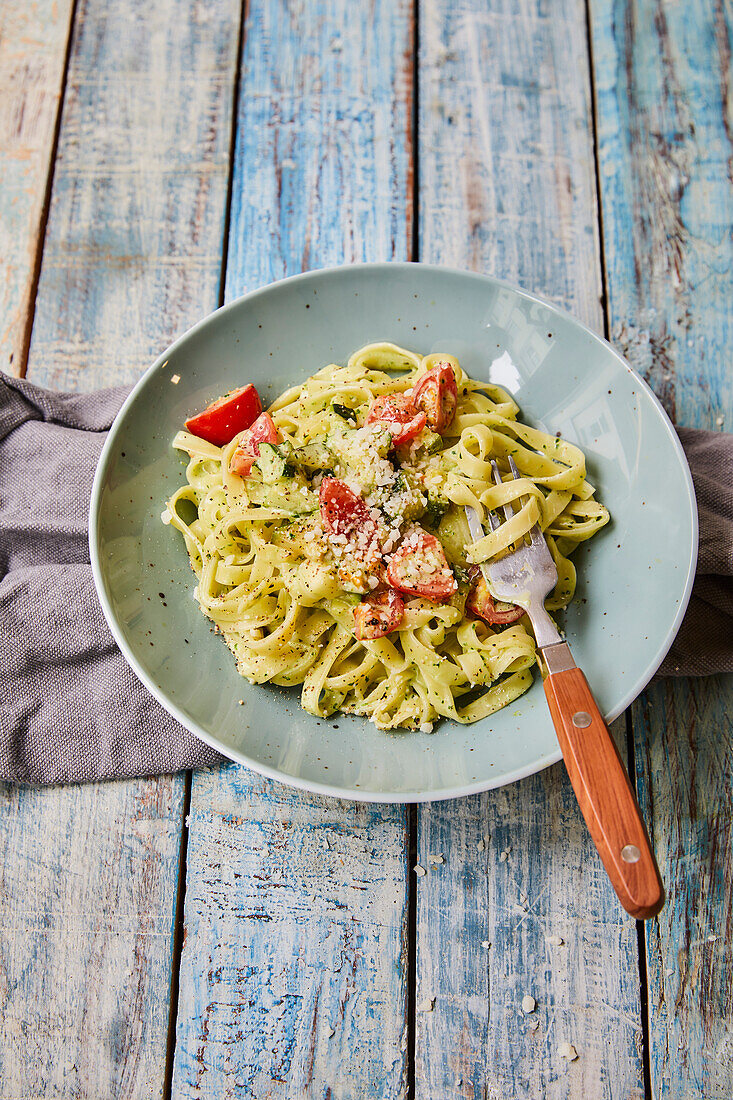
[{"x": 545, "y": 631}]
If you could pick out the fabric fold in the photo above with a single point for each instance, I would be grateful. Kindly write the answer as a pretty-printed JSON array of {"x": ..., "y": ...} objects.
[
  {"x": 704, "y": 644},
  {"x": 71, "y": 709}
]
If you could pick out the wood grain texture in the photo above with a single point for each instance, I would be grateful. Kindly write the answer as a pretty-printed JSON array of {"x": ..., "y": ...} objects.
[
  {"x": 90, "y": 874},
  {"x": 665, "y": 149},
  {"x": 310, "y": 939},
  {"x": 507, "y": 177},
  {"x": 507, "y": 186},
  {"x": 604, "y": 793},
  {"x": 665, "y": 130},
  {"x": 684, "y": 757},
  {"x": 522, "y": 907},
  {"x": 87, "y": 900},
  {"x": 136, "y": 224},
  {"x": 33, "y": 41},
  {"x": 323, "y": 167},
  {"x": 292, "y": 969}
]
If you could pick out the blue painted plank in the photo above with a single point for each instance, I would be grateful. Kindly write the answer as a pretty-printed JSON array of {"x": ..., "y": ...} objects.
[
  {"x": 133, "y": 252},
  {"x": 87, "y": 907},
  {"x": 293, "y": 972},
  {"x": 90, "y": 873},
  {"x": 507, "y": 174},
  {"x": 521, "y": 906},
  {"x": 665, "y": 139},
  {"x": 323, "y": 168},
  {"x": 664, "y": 144},
  {"x": 33, "y": 41}
]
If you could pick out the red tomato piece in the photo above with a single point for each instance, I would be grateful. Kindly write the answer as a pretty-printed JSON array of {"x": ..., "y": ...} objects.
[
  {"x": 419, "y": 567},
  {"x": 355, "y": 534},
  {"x": 482, "y": 604},
  {"x": 342, "y": 510},
  {"x": 262, "y": 431},
  {"x": 399, "y": 416},
  {"x": 378, "y": 615},
  {"x": 437, "y": 395},
  {"x": 223, "y": 419}
]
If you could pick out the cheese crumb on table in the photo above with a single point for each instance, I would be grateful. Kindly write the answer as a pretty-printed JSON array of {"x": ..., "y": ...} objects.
[
  {"x": 554, "y": 940},
  {"x": 427, "y": 1005},
  {"x": 529, "y": 1004},
  {"x": 419, "y": 870},
  {"x": 567, "y": 1051}
]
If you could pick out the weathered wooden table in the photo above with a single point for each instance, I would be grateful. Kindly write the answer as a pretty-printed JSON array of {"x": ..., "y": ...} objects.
[{"x": 218, "y": 935}]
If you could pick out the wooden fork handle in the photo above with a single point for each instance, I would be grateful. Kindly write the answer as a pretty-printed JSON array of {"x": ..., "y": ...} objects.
[{"x": 604, "y": 793}]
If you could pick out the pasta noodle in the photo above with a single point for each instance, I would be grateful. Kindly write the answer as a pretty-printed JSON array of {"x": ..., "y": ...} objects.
[{"x": 282, "y": 586}]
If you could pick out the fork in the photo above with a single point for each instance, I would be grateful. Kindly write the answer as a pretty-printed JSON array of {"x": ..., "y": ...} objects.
[{"x": 525, "y": 576}]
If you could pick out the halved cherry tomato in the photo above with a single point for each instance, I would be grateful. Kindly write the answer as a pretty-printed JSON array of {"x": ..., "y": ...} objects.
[
  {"x": 342, "y": 510},
  {"x": 437, "y": 395},
  {"x": 482, "y": 604},
  {"x": 378, "y": 615},
  {"x": 419, "y": 566},
  {"x": 355, "y": 535},
  {"x": 227, "y": 416},
  {"x": 399, "y": 416},
  {"x": 262, "y": 431}
]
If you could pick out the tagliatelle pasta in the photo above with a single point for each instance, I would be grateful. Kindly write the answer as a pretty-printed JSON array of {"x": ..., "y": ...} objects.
[{"x": 332, "y": 551}]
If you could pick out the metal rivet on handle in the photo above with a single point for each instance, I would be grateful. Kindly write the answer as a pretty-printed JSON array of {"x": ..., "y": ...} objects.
[
  {"x": 581, "y": 719},
  {"x": 630, "y": 854}
]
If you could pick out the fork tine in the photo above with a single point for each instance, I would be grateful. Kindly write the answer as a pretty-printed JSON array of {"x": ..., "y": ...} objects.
[
  {"x": 535, "y": 532},
  {"x": 508, "y": 510}
]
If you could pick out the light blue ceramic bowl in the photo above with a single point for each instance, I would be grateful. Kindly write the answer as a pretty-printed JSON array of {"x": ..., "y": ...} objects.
[{"x": 634, "y": 577}]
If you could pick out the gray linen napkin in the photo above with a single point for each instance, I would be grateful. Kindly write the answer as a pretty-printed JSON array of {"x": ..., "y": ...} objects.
[
  {"x": 70, "y": 708},
  {"x": 704, "y": 644}
]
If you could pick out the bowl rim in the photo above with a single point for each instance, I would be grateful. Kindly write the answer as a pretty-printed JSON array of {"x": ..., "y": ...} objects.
[{"x": 330, "y": 790}]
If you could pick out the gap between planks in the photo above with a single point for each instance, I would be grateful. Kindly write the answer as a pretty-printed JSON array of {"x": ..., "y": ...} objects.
[
  {"x": 179, "y": 925},
  {"x": 43, "y": 224},
  {"x": 630, "y": 752}
]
